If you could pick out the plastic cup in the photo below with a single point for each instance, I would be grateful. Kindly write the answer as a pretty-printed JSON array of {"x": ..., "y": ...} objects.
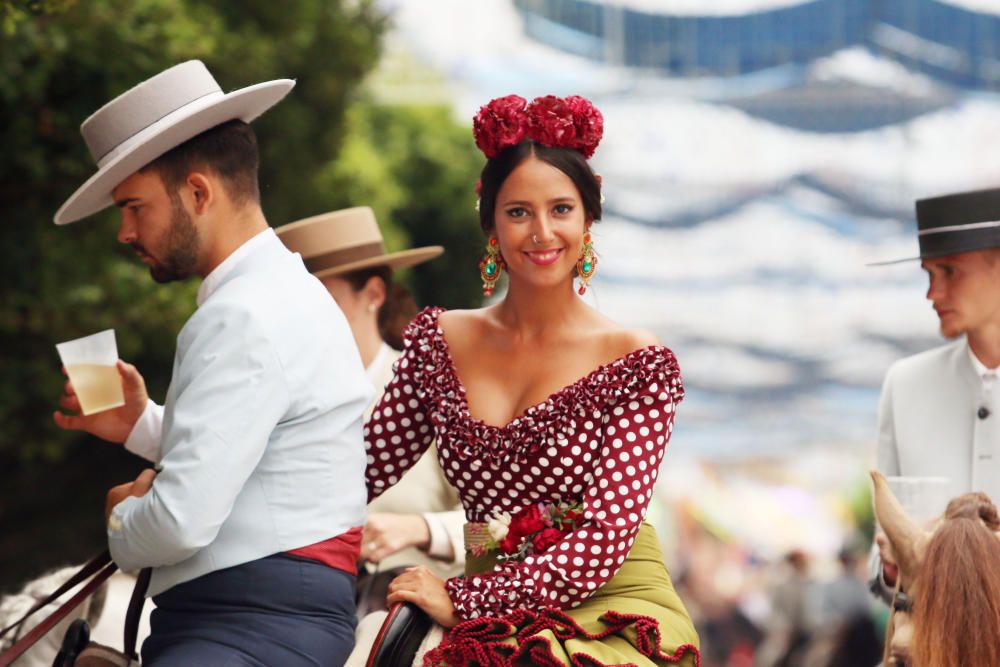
[
  {"x": 922, "y": 498},
  {"x": 90, "y": 363}
]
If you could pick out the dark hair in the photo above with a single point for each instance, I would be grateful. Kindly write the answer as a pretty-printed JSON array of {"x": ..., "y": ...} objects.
[
  {"x": 229, "y": 150},
  {"x": 567, "y": 160},
  {"x": 398, "y": 309}
]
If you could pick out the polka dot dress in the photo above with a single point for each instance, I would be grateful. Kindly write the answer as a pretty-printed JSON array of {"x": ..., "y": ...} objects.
[{"x": 599, "y": 441}]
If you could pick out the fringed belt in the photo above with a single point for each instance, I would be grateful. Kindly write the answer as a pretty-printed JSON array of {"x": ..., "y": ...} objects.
[{"x": 477, "y": 538}]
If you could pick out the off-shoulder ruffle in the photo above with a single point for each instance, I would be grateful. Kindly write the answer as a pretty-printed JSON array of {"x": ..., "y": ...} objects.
[
  {"x": 652, "y": 369},
  {"x": 485, "y": 641}
]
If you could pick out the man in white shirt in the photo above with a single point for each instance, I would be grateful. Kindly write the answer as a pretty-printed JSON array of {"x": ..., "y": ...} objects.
[
  {"x": 940, "y": 410},
  {"x": 253, "y": 523}
]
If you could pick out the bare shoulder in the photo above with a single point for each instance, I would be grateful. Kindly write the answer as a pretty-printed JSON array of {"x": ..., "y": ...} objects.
[
  {"x": 460, "y": 324},
  {"x": 618, "y": 341},
  {"x": 466, "y": 331}
]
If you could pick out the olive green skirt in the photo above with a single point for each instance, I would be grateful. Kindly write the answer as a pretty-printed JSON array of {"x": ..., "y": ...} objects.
[{"x": 636, "y": 618}]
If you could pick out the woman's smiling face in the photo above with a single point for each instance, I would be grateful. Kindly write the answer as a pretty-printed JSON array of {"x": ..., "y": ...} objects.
[{"x": 539, "y": 221}]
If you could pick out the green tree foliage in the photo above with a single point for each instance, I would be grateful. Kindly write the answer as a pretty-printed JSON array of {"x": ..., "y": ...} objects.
[
  {"x": 59, "y": 62},
  {"x": 416, "y": 166}
]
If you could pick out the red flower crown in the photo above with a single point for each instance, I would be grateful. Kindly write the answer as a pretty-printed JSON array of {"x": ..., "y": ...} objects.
[{"x": 556, "y": 122}]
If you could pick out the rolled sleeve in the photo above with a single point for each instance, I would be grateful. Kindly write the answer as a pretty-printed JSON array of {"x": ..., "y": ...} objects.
[
  {"x": 447, "y": 541},
  {"x": 144, "y": 440}
]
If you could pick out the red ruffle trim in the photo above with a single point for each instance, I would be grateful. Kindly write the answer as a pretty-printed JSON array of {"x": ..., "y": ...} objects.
[
  {"x": 480, "y": 641},
  {"x": 540, "y": 425}
]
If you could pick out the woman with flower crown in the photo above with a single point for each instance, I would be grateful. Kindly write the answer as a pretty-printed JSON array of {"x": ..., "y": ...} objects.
[{"x": 551, "y": 422}]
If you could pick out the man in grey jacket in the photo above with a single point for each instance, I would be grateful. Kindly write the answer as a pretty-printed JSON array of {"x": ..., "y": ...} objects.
[
  {"x": 939, "y": 414},
  {"x": 252, "y": 526}
]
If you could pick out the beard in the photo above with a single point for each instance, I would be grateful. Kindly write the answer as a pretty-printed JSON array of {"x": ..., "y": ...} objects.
[{"x": 182, "y": 245}]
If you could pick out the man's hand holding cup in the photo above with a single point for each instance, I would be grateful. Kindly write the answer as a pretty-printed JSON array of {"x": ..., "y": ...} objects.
[{"x": 114, "y": 424}]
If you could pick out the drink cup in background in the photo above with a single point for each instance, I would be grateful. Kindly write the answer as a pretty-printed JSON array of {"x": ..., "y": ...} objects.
[
  {"x": 90, "y": 363},
  {"x": 922, "y": 498}
]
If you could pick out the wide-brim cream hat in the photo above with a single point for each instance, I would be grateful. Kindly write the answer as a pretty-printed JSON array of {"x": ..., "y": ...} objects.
[
  {"x": 340, "y": 242},
  {"x": 155, "y": 116}
]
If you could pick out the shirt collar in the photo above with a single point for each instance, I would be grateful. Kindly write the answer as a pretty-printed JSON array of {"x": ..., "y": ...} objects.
[
  {"x": 981, "y": 369},
  {"x": 219, "y": 273},
  {"x": 374, "y": 368}
]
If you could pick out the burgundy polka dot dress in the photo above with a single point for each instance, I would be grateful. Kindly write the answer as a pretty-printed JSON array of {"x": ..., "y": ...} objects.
[{"x": 597, "y": 444}]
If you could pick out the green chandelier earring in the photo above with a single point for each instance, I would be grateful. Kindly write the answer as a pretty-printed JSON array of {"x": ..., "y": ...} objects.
[
  {"x": 586, "y": 265},
  {"x": 491, "y": 266}
]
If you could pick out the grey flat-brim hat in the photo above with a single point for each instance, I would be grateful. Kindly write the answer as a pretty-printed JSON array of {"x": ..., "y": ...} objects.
[
  {"x": 340, "y": 242},
  {"x": 155, "y": 116},
  {"x": 956, "y": 223}
]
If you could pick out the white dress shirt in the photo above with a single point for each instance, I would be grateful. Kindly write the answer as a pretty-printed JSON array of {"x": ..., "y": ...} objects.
[{"x": 259, "y": 444}]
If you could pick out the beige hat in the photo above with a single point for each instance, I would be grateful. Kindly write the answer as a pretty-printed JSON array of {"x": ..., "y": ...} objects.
[
  {"x": 339, "y": 242},
  {"x": 155, "y": 116}
]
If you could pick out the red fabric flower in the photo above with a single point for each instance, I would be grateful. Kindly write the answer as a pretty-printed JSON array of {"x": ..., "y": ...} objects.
[
  {"x": 556, "y": 122},
  {"x": 572, "y": 517},
  {"x": 550, "y": 122},
  {"x": 528, "y": 521},
  {"x": 546, "y": 539},
  {"x": 509, "y": 544},
  {"x": 589, "y": 123},
  {"x": 571, "y": 122},
  {"x": 500, "y": 124}
]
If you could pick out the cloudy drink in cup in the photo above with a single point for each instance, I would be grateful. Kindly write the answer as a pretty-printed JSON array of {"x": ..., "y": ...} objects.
[{"x": 90, "y": 363}]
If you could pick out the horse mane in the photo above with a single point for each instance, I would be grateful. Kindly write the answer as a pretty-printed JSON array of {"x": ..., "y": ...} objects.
[{"x": 960, "y": 585}]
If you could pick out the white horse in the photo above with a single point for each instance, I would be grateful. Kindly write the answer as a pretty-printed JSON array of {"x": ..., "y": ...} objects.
[{"x": 104, "y": 611}]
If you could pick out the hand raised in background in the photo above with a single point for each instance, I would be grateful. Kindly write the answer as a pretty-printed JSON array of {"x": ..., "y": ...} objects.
[{"x": 387, "y": 533}]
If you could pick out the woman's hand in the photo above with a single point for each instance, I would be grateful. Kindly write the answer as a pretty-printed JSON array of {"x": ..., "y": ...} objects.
[
  {"x": 426, "y": 590},
  {"x": 385, "y": 534}
]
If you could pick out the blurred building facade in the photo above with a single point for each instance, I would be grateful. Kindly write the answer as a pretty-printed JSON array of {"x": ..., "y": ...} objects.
[{"x": 957, "y": 42}]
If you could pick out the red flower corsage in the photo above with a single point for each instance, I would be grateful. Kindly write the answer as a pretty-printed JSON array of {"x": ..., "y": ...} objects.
[{"x": 532, "y": 530}]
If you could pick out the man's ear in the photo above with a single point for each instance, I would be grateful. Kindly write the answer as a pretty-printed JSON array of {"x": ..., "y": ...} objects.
[{"x": 203, "y": 191}]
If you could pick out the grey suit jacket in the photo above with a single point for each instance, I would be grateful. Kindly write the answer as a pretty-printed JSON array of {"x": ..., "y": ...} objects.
[{"x": 928, "y": 423}]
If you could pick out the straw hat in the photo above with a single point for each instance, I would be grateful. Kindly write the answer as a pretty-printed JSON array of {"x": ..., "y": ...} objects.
[
  {"x": 339, "y": 242},
  {"x": 155, "y": 116}
]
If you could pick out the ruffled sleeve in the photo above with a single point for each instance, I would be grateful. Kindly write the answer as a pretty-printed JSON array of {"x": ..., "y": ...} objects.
[
  {"x": 399, "y": 430},
  {"x": 639, "y": 396}
]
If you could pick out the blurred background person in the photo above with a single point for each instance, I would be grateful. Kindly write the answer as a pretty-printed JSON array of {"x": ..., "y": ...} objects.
[{"x": 793, "y": 614}]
